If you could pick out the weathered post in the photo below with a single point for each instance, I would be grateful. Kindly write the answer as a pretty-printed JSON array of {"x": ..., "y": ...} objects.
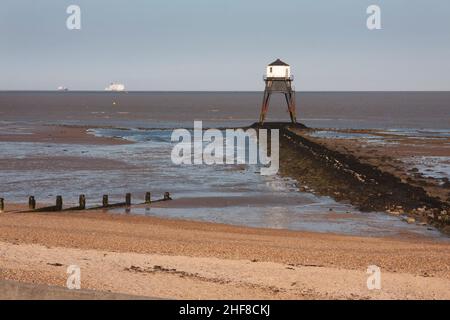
[
  {"x": 105, "y": 200},
  {"x": 31, "y": 203},
  {"x": 59, "y": 203},
  {"x": 82, "y": 202},
  {"x": 167, "y": 196},
  {"x": 2, "y": 205},
  {"x": 128, "y": 199},
  {"x": 148, "y": 198}
]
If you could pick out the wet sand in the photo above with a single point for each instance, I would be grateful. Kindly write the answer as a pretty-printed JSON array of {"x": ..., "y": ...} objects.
[
  {"x": 62, "y": 163},
  {"x": 54, "y": 134},
  {"x": 192, "y": 260}
]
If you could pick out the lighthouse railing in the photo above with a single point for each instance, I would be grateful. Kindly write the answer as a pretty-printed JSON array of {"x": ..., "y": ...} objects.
[{"x": 290, "y": 78}]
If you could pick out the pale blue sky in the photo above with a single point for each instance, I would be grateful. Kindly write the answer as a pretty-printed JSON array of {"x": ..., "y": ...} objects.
[{"x": 224, "y": 44}]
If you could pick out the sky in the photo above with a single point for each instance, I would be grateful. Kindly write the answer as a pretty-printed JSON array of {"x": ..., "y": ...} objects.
[{"x": 224, "y": 45}]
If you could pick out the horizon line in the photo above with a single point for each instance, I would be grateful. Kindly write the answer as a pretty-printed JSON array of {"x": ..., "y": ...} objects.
[{"x": 210, "y": 91}]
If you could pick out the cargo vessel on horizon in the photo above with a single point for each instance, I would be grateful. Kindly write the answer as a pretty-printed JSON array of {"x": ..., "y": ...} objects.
[{"x": 117, "y": 87}]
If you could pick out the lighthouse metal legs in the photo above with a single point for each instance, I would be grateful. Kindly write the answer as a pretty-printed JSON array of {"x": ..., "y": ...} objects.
[
  {"x": 290, "y": 100},
  {"x": 265, "y": 106}
]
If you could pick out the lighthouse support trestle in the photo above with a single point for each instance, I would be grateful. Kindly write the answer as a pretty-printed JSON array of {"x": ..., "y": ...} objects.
[{"x": 279, "y": 85}]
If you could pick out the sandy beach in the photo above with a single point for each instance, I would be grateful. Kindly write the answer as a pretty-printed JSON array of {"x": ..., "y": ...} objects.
[{"x": 165, "y": 258}]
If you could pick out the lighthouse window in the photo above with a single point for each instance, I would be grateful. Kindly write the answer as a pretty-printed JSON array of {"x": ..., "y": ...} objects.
[{"x": 270, "y": 69}]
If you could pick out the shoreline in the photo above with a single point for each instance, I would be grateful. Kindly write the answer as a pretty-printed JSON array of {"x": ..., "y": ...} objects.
[
  {"x": 129, "y": 215},
  {"x": 399, "y": 198}
]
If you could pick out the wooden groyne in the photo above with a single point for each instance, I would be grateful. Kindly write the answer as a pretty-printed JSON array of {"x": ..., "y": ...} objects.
[{"x": 59, "y": 203}]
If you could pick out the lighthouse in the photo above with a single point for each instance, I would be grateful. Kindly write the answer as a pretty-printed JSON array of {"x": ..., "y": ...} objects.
[{"x": 278, "y": 78}]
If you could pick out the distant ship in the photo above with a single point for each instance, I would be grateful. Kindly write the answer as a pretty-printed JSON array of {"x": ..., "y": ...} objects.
[
  {"x": 115, "y": 87},
  {"x": 62, "y": 88}
]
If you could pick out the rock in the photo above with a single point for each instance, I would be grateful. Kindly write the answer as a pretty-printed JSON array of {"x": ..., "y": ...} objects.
[
  {"x": 422, "y": 224},
  {"x": 411, "y": 220},
  {"x": 394, "y": 212}
]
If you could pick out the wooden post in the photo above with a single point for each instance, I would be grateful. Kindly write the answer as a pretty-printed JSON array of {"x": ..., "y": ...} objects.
[
  {"x": 105, "y": 200},
  {"x": 128, "y": 199},
  {"x": 148, "y": 198},
  {"x": 2, "y": 205},
  {"x": 31, "y": 203},
  {"x": 59, "y": 203},
  {"x": 82, "y": 202},
  {"x": 167, "y": 196}
]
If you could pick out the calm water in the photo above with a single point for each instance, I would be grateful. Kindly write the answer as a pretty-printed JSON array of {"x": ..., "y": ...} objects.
[
  {"x": 229, "y": 194},
  {"x": 159, "y": 109}
]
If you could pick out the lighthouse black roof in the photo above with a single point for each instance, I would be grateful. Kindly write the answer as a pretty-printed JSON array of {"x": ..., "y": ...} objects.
[{"x": 278, "y": 62}]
